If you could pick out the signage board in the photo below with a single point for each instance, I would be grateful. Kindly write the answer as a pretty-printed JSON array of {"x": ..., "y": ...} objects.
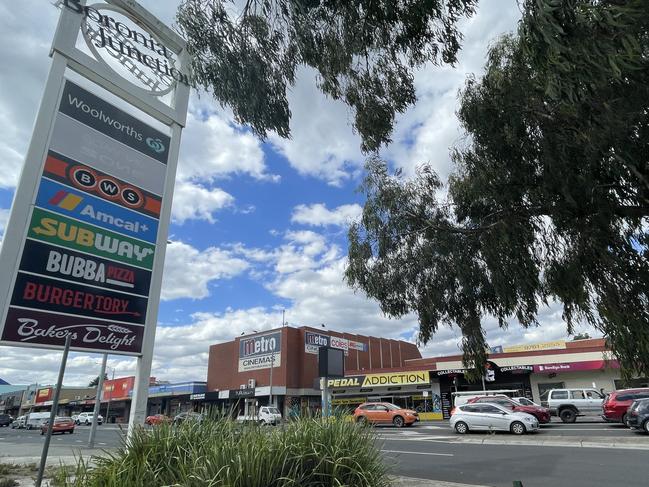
[
  {"x": 359, "y": 346},
  {"x": 260, "y": 352},
  {"x": 339, "y": 343},
  {"x": 531, "y": 347},
  {"x": 574, "y": 366},
  {"x": 313, "y": 342},
  {"x": 382, "y": 380},
  {"x": 241, "y": 393},
  {"x": 86, "y": 264},
  {"x": 84, "y": 247}
]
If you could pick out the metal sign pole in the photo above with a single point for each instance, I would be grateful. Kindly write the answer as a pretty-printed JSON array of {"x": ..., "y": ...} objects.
[
  {"x": 55, "y": 407},
  {"x": 95, "y": 414}
]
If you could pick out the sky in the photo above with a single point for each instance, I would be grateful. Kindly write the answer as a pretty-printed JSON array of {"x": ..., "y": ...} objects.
[{"x": 258, "y": 227}]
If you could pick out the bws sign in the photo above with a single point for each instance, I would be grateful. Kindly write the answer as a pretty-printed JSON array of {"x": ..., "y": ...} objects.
[{"x": 260, "y": 352}]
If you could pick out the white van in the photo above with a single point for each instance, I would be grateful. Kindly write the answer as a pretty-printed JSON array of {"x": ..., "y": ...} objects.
[
  {"x": 460, "y": 398},
  {"x": 34, "y": 420}
]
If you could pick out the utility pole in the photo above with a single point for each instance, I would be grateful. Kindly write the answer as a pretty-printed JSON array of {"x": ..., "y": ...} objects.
[
  {"x": 95, "y": 414},
  {"x": 55, "y": 407},
  {"x": 110, "y": 393},
  {"x": 272, "y": 366}
]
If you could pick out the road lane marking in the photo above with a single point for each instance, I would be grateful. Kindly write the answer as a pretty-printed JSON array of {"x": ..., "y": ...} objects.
[{"x": 420, "y": 453}]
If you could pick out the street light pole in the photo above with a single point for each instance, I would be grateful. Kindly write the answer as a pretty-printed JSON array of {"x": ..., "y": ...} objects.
[
  {"x": 110, "y": 393},
  {"x": 272, "y": 366},
  {"x": 95, "y": 414}
]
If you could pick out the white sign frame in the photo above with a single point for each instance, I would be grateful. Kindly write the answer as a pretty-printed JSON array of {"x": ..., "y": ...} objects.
[{"x": 65, "y": 55}]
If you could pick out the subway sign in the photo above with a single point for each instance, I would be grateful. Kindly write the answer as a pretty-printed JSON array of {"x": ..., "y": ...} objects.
[{"x": 418, "y": 377}]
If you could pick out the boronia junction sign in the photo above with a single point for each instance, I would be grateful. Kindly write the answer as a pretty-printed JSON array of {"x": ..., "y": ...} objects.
[{"x": 85, "y": 243}]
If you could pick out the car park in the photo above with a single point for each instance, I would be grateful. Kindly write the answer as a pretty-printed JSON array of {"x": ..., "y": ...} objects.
[
  {"x": 616, "y": 404},
  {"x": 491, "y": 417},
  {"x": 5, "y": 420},
  {"x": 568, "y": 404},
  {"x": 385, "y": 413},
  {"x": 540, "y": 413},
  {"x": 638, "y": 415},
  {"x": 87, "y": 418},
  {"x": 61, "y": 425}
]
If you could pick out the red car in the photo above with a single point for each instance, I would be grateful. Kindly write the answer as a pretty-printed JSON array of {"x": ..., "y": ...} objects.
[
  {"x": 385, "y": 413},
  {"x": 157, "y": 419},
  {"x": 61, "y": 425},
  {"x": 540, "y": 413},
  {"x": 617, "y": 402}
]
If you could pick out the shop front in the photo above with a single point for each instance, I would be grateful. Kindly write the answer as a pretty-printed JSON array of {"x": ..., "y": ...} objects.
[{"x": 407, "y": 389}]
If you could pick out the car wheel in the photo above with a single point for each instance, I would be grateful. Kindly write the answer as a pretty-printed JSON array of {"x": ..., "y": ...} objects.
[
  {"x": 568, "y": 415},
  {"x": 646, "y": 426},
  {"x": 43, "y": 432},
  {"x": 625, "y": 420},
  {"x": 517, "y": 428},
  {"x": 461, "y": 427},
  {"x": 362, "y": 420},
  {"x": 87, "y": 423},
  {"x": 397, "y": 421}
]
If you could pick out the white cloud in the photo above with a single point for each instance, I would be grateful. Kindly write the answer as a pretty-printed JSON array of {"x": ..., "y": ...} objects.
[
  {"x": 188, "y": 271},
  {"x": 318, "y": 215},
  {"x": 213, "y": 148},
  {"x": 322, "y": 145},
  {"x": 195, "y": 202},
  {"x": 428, "y": 130}
]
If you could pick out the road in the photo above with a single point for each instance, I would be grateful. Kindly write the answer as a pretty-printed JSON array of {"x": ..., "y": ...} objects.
[{"x": 434, "y": 451}]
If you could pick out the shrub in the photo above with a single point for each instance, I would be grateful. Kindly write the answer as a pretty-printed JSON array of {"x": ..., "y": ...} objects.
[{"x": 308, "y": 452}]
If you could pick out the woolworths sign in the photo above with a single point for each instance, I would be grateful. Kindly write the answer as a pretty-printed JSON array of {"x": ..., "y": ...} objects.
[{"x": 382, "y": 380}]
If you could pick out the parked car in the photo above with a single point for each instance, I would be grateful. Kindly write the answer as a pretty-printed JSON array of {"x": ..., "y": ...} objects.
[
  {"x": 616, "y": 404},
  {"x": 267, "y": 415},
  {"x": 5, "y": 420},
  {"x": 492, "y": 417},
  {"x": 61, "y": 425},
  {"x": 87, "y": 418},
  {"x": 187, "y": 416},
  {"x": 638, "y": 415},
  {"x": 19, "y": 422},
  {"x": 35, "y": 420},
  {"x": 385, "y": 413},
  {"x": 157, "y": 419},
  {"x": 524, "y": 401},
  {"x": 540, "y": 413},
  {"x": 573, "y": 402}
]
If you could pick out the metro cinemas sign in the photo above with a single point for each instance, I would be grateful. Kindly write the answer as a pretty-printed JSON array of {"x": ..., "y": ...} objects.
[
  {"x": 86, "y": 264},
  {"x": 260, "y": 352}
]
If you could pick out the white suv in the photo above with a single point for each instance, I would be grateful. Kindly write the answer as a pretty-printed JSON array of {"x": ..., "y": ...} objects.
[
  {"x": 87, "y": 418},
  {"x": 573, "y": 402}
]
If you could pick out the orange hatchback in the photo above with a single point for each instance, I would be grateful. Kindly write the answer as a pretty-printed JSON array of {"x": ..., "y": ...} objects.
[{"x": 385, "y": 413}]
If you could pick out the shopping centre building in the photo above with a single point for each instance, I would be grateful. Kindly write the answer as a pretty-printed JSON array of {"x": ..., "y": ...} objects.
[{"x": 240, "y": 373}]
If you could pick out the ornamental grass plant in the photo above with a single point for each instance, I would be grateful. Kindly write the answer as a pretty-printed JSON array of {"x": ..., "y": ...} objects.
[{"x": 308, "y": 452}]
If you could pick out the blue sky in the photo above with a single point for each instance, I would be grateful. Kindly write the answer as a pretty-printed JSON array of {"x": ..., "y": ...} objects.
[{"x": 258, "y": 226}]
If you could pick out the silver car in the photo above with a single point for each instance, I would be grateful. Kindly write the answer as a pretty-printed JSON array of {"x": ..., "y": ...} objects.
[{"x": 491, "y": 417}]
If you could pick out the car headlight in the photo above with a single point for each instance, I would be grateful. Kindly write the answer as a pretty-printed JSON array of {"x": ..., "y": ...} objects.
[{"x": 529, "y": 420}]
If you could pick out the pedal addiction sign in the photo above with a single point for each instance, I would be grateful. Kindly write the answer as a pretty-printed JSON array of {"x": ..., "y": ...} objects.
[
  {"x": 418, "y": 377},
  {"x": 87, "y": 259}
]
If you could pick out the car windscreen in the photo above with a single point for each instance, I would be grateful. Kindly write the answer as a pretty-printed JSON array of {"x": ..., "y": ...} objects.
[{"x": 273, "y": 410}]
